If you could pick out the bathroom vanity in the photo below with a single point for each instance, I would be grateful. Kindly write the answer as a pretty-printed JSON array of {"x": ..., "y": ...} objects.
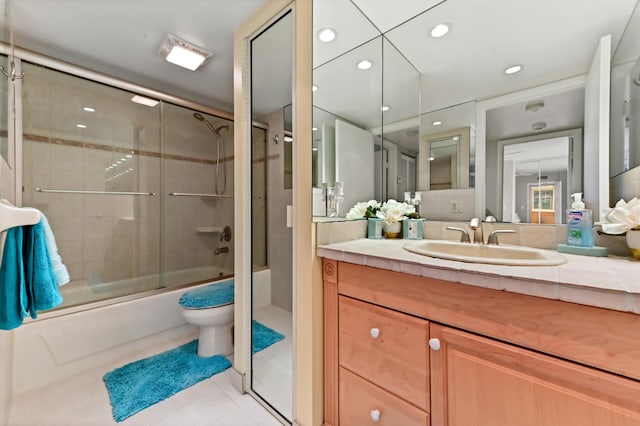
[{"x": 411, "y": 340}]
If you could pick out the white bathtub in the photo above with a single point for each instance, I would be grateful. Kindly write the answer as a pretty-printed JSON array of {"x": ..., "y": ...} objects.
[
  {"x": 52, "y": 349},
  {"x": 82, "y": 292}
]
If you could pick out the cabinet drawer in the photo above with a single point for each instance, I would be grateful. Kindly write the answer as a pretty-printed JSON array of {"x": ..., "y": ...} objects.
[
  {"x": 388, "y": 348},
  {"x": 361, "y": 401}
]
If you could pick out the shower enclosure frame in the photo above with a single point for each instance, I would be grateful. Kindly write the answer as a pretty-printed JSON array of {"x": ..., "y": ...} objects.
[
  {"x": 20, "y": 54},
  {"x": 15, "y": 138}
]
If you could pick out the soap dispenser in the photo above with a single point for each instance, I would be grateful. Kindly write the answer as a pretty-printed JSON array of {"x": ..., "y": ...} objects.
[{"x": 579, "y": 223}]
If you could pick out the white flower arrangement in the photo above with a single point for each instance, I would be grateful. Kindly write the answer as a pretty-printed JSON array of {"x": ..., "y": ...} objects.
[
  {"x": 622, "y": 218},
  {"x": 393, "y": 211},
  {"x": 364, "y": 210}
]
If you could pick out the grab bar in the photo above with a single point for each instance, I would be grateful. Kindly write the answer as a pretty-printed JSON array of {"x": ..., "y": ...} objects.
[
  {"x": 70, "y": 191},
  {"x": 189, "y": 194}
]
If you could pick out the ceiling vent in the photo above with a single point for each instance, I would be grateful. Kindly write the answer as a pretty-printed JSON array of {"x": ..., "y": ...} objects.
[
  {"x": 534, "y": 106},
  {"x": 539, "y": 126}
]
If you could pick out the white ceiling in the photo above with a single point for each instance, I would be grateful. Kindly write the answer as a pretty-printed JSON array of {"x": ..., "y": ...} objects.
[
  {"x": 543, "y": 156},
  {"x": 122, "y": 38}
]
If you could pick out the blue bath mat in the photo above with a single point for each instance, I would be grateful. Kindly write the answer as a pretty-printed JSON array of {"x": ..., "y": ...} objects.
[
  {"x": 263, "y": 336},
  {"x": 140, "y": 384}
]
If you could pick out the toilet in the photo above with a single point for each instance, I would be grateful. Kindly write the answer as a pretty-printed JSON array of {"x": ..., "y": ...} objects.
[{"x": 211, "y": 308}]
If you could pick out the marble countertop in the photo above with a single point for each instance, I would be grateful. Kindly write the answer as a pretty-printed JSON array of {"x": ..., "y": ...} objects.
[{"x": 606, "y": 282}]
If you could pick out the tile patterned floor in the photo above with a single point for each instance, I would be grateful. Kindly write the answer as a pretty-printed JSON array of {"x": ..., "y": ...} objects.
[
  {"x": 82, "y": 400},
  {"x": 272, "y": 367}
]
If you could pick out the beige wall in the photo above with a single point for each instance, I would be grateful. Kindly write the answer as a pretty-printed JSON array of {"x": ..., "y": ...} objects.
[{"x": 279, "y": 237}]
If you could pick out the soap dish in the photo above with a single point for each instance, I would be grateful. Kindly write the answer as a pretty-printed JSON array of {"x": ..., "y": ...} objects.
[{"x": 595, "y": 251}]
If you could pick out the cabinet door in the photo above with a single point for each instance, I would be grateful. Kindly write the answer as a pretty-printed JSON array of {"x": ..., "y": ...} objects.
[
  {"x": 482, "y": 382},
  {"x": 387, "y": 348}
]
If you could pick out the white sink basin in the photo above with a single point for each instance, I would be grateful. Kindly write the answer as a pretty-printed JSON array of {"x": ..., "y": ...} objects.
[{"x": 481, "y": 253}]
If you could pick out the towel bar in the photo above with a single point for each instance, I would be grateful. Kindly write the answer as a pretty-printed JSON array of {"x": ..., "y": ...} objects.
[
  {"x": 189, "y": 194},
  {"x": 70, "y": 191}
]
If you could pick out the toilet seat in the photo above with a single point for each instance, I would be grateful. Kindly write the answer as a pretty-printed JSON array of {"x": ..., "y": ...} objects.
[{"x": 209, "y": 296}]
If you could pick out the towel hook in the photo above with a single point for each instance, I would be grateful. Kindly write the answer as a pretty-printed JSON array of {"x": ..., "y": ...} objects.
[{"x": 12, "y": 72}]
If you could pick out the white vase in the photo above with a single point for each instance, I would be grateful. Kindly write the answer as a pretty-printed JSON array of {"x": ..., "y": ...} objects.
[
  {"x": 392, "y": 230},
  {"x": 633, "y": 241}
]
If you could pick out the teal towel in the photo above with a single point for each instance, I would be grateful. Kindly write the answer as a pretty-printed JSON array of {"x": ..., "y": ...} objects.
[
  {"x": 27, "y": 281},
  {"x": 40, "y": 280},
  {"x": 59, "y": 269},
  {"x": 13, "y": 297}
]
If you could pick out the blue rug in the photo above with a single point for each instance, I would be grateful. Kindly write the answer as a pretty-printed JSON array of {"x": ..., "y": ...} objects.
[
  {"x": 263, "y": 336},
  {"x": 140, "y": 384}
]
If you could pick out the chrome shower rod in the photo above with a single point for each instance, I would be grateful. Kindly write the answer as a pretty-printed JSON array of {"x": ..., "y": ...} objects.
[
  {"x": 189, "y": 194},
  {"x": 71, "y": 191}
]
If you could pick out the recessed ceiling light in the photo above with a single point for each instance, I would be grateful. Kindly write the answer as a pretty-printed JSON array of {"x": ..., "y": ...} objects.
[
  {"x": 365, "y": 64},
  {"x": 326, "y": 35},
  {"x": 539, "y": 126},
  {"x": 385, "y": 108},
  {"x": 432, "y": 158},
  {"x": 184, "y": 54},
  {"x": 89, "y": 109},
  {"x": 440, "y": 30},
  {"x": 144, "y": 101},
  {"x": 129, "y": 155},
  {"x": 513, "y": 69},
  {"x": 436, "y": 123},
  {"x": 81, "y": 126},
  {"x": 314, "y": 88}
]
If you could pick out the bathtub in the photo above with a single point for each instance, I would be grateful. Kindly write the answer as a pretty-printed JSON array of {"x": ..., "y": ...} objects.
[
  {"x": 82, "y": 292},
  {"x": 64, "y": 344}
]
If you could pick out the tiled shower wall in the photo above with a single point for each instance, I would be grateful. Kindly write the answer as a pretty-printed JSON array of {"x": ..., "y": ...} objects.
[{"x": 124, "y": 147}]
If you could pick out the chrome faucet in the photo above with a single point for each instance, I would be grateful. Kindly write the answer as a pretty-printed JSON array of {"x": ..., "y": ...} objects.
[
  {"x": 464, "y": 234},
  {"x": 476, "y": 226},
  {"x": 493, "y": 237}
]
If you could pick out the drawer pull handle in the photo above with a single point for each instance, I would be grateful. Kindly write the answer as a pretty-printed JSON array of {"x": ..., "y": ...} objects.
[
  {"x": 375, "y": 332},
  {"x": 375, "y": 415},
  {"x": 434, "y": 344}
]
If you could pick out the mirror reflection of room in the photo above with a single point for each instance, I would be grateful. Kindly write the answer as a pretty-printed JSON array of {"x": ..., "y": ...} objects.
[{"x": 496, "y": 80}]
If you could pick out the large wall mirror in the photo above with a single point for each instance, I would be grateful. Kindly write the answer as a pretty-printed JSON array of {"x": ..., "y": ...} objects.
[
  {"x": 271, "y": 193},
  {"x": 625, "y": 101},
  {"x": 526, "y": 82}
]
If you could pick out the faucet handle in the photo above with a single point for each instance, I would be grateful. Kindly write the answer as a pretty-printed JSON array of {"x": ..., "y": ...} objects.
[
  {"x": 474, "y": 223},
  {"x": 493, "y": 237},
  {"x": 464, "y": 237}
]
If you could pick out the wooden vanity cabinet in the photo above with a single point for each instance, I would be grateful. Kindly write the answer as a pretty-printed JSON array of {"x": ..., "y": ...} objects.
[
  {"x": 407, "y": 350},
  {"x": 482, "y": 382},
  {"x": 384, "y": 364}
]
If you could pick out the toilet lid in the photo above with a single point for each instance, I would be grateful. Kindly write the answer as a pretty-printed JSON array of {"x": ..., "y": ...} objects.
[{"x": 209, "y": 296}]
